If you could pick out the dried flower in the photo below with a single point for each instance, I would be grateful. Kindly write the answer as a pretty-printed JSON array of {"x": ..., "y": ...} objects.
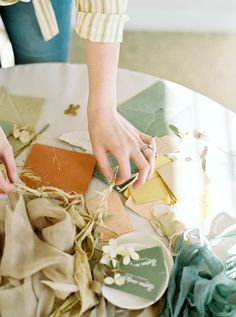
[
  {"x": 199, "y": 135},
  {"x": 118, "y": 279},
  {"x": 25, "y": 134},
  {"x": 72, "y": 110},
  {"x": 129, "y": 254}
]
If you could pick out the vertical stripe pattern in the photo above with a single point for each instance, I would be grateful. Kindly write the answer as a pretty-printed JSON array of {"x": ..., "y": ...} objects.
[
  {"x": 104, "y": 22},
  {"x": 96, "y": 20}
]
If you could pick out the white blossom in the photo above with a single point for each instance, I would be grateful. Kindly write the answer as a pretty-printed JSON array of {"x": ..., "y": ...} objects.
[
  {"x": 129, "y": 254},
  {"x": 111, "y": 251},
  {"x": 118, "y": 279}
]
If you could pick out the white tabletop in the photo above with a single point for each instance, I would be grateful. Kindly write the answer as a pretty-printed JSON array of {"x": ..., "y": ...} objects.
[{"x": 62, "y": 84}]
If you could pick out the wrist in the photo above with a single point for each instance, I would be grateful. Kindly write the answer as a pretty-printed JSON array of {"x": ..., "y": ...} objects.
[
  {"x": 102, "y": 104},
  {"x": 102, "y": 112}
]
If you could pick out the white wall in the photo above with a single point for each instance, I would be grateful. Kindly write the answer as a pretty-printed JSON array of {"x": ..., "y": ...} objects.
[{"x": 182, "y": 15}]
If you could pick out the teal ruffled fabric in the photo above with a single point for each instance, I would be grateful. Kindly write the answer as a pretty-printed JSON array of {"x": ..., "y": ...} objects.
[{"x": 199, "y": 286}]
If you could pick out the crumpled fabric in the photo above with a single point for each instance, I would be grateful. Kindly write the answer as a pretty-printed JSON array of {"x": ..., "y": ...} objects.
[
  {"x": 198, "y": 284},
  {"x": 47, "y": 260},
  {"x": 37, "y": 265}
]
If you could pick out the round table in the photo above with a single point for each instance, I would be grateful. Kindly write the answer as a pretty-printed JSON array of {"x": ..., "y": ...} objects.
[{"x": 62, "y": 84}]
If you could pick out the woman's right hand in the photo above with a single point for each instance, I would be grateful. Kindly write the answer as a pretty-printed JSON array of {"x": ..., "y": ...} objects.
[{"x": 7, "y": 157}]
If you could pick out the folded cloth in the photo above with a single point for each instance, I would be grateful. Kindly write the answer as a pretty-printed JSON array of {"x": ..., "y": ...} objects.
[
  {"x": 13, "y": 300},
  {"x": 53, "y": 222},
  {"x": 36, "y": 265},
  {"x": 25, "y": 253},
  {"x": 198, "y": 284}
]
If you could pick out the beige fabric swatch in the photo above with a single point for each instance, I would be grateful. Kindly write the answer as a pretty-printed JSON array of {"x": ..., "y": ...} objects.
[
  {"x": 14, "y": 298},
  {"x": 25, "y": 254},
  {"x": 29, "y": 108},
  {"x": 53, "y": 222},
  {"x": 117, "y": 219},
  {"x": 144, "y": 210}
]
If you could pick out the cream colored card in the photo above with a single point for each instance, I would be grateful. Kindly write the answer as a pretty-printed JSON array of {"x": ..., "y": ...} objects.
[
  {"x": 144, "y": 210},
  {"x": 186, "y": 179},
  {"x": 79, "y": 139},
  {"x": 117, "y": 219}
]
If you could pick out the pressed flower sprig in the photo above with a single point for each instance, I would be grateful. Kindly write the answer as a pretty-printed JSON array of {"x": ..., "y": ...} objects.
[{"x": 113, "y": 255}]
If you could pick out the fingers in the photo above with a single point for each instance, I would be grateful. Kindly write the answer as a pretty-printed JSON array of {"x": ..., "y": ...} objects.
[
  {"x": 143, "y": 167},
  {"x": 124, "y": 168},
  {"x": 5, "y": 186},
  {"x": 9, "y": 162},
  {"x": 6, "y": 155},
  {"x": 149, "y": 153},
  {"x": 103, "y": 163}
]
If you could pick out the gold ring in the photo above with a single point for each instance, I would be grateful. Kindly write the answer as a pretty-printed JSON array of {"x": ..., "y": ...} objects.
[{"x": 146, "y": 147}]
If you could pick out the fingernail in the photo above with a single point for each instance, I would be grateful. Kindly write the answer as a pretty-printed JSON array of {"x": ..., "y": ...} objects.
[
  {"x": 136, "y": 186},
  {"x": 3, "y": 197},
  {"x": 17, "y": 180},
  {"x": 109, "y": 179}
]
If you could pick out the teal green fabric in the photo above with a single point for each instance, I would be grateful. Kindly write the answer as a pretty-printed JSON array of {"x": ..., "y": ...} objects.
[{"x": 198, "y": 285}]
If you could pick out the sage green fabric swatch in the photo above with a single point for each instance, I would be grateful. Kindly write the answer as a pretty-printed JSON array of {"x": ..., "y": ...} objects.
[
  {"x": 8, "y": 111},
  {"x": 199, "y": 285},
  {"x": 20, "y": 110},
  {"x": 29, "y": 108}
]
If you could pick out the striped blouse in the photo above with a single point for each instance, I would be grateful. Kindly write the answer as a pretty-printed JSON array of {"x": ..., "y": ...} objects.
[{"x": 96, "y": 20}]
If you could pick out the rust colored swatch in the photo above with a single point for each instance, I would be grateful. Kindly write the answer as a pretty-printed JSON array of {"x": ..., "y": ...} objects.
[{"x": 67, "y": 170}]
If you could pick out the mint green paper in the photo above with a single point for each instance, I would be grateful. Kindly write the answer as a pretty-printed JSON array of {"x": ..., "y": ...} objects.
[
  {"x": 145, "y": 277},
  {"x": 152, "y": 112},
  {"x": 146, "y": 110}
]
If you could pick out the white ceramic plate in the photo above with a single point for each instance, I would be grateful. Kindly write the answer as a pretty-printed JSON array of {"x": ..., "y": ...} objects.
[{"x": 139, "y": 240}]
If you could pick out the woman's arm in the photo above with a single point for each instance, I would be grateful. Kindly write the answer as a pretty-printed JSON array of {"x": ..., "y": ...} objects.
[{"x": 109, "y": 132}]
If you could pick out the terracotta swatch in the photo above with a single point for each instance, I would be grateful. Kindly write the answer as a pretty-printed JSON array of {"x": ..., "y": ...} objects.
[
  {"x": 67, "y": 170},
  {"x": 117, "y": 219}
]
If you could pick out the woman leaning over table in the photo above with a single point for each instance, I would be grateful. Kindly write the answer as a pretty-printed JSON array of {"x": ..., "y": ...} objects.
[{"x": 40, "y": 32}]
